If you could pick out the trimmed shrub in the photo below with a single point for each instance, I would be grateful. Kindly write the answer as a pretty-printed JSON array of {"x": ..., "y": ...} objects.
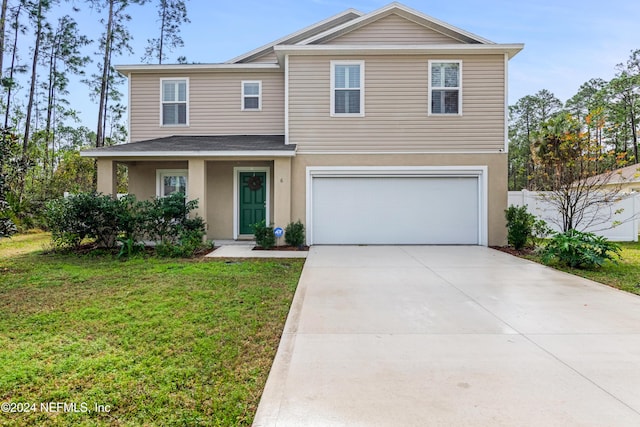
[
  {"x": 541, "y": 231},
  {"x": 294, "y": 234},
  {"x": 81, "y": 216},
  {"x": 109, "y": 221},
  {"x": 580, "y": 250},
  {"x": 163, "y": 216},
  {"x": 519, "y": 226},
  {"x": 264, "y": 235},
  {"x": 131, "y": 218},
  {"x": 189, "y": 243},
  {"x": 67, "y": 232}
]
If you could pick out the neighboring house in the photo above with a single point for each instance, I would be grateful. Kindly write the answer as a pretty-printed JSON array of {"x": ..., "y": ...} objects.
[
  {"x": 626, "y": 179},
  {"x": 385, "y": 127}
]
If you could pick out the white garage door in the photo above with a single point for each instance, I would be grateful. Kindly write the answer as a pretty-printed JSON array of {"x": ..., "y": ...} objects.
[{"x": 395, "y": 210}]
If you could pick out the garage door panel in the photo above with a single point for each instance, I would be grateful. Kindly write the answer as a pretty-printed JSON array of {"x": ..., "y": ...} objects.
[{"x": 395, "y": 210}]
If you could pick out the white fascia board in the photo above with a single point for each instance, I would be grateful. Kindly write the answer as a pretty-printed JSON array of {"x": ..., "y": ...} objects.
[
  {"x": 203, "y": 68},
  {"x": 298, "y": 33},
  {"x": 445, "y": 49},
  {"x": 405, "y": 12},
  {"x": 385, "y": 171},
  {"x": 390, "y": 152},
  {"x": 181, "y": 154}
]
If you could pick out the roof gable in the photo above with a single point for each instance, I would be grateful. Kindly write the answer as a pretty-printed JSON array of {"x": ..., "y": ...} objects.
[
  {"x": 392, "y": 29},
  {"x": 624, "y": 175},
  {"x": 265, "y": 53},
  {"x": 432, "y": 25}
]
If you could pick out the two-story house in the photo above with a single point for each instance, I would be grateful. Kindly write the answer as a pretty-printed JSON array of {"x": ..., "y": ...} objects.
[{"x": 388, "y": 127}]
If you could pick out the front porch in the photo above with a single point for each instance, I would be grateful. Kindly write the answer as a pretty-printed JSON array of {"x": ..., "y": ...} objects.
[{"x": 236, "y": 184}]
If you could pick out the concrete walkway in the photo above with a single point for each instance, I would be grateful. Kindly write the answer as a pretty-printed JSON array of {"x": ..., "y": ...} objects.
[
  {"x": 244, "y": 249},
  {"x": 452, "y": 336}
]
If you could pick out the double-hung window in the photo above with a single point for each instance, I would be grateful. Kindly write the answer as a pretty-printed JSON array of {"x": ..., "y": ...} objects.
[
  {"x": 174, "y": 102},
  {"x": 251, "y": 96},
  {"x": 445, "y": 87},
  {"x": 347, "y": 88},
  {"x": 170, "y": 181}
]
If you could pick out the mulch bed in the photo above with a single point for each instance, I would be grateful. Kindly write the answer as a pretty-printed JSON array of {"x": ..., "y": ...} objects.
[
  {"x": 513, "y": 251},
  {"x": 282, "y": 248}
]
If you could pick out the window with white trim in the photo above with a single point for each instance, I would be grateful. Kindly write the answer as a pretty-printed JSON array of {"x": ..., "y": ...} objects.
[
  {"x": 170, "y": 181},
  {"x": 174, "y": 102},
  {"x": 347, "y": 88},
  {"x": 252, "y": 95},
  {"x": 445, "y": 87}
]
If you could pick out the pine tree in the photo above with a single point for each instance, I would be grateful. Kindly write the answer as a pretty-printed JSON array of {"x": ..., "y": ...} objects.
[{"x": 171, "y": 14}]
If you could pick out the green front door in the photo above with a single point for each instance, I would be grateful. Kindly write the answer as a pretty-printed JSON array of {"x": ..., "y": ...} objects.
[{"x": 253, "y": 200}]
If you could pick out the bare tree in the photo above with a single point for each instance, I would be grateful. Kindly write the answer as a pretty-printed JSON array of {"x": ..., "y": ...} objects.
[{"x": 574, "y": 188}]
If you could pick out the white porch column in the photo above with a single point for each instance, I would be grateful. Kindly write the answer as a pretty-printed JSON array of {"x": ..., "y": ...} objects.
[
  {"x": 281, "y": 191},
  {"x": 197, "y": 186},
  {"x": 107, "y": 184}
]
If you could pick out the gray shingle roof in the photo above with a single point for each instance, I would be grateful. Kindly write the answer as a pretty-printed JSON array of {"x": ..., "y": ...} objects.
[{"x": 192, "y": 143}]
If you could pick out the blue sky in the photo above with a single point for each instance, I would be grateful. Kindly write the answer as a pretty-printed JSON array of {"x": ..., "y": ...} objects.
[{"x": 567, "y": 42}]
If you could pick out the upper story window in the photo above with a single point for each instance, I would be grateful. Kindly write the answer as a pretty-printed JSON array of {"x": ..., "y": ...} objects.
[
  {"x": 174, "y": 102},
  {"x": 252, "y": 96},
  {"x": 445, "y": 87},
  {"x": 347, "y": 88}
]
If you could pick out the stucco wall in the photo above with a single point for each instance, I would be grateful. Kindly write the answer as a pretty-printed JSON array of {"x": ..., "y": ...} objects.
[{"x": 219, "y": 217}]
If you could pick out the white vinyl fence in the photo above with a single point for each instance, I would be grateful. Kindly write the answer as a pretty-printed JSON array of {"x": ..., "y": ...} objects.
[
  {"x": 119, "y": 195},
  {"x": 619, "y": 223}
]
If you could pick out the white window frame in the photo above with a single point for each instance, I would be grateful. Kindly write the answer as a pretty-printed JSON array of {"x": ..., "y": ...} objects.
[
  {"x": 259, "y": 96},
  {"x": 333, "y": 88},
  {"x": 162, "y": 102},
  {"x": 162, "y": 173},
  {"x": 458, "y": 88}
]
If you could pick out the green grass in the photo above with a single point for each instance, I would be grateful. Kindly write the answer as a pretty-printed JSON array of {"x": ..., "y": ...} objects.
[
  {"x": 24, "y": 243},
  {"x": 624, "y": 275},
  {"x": 162, "y": 342}
]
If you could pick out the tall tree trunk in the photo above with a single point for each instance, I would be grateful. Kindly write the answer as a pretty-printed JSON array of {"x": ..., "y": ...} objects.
[
  {"x": 13, "y": 66},
  {"x": 32, "y": 92},
  {"x": 160, "y": 46},
  {"x": 105, "y": 76},
  {"x": 50, "y": 102},
  {"x": 3, "y": 20},
  {"x": 104, "y": 118},
  {"x": 634, "y": 135}
]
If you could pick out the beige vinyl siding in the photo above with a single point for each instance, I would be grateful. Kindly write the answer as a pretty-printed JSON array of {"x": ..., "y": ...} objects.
[
  {"x": 396, "y": 113},
  {"x": 214, "y": 106},
  {"x": 393, "y": 29},
  {"x": 268, "y": 58}
]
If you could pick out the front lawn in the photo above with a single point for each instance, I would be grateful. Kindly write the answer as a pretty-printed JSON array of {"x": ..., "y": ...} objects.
[
  {"x": 624, "y": 275},
  {"x": 91, "y": 340}
]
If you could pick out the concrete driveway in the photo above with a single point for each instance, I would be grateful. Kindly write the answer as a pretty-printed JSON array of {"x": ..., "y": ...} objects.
[{"x": 452, "y": 336}]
